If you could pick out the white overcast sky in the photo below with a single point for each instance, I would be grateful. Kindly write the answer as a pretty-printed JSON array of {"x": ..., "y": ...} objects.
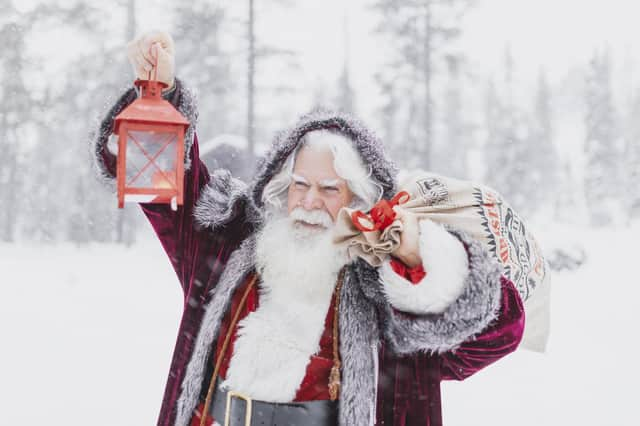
[
  {"x": 551, "y": 33},
  {"x": 554, "y": 34}
]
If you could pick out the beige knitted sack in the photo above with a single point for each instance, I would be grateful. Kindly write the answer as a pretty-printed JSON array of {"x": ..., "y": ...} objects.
[{"x": 481, "y": 212}]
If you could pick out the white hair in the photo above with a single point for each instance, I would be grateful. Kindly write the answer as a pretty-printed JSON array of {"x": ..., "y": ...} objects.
[{"x": 347, "y": 163}]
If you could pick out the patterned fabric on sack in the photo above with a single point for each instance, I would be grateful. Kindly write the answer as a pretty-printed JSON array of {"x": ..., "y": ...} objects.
[{"x": 481, "y": 212}]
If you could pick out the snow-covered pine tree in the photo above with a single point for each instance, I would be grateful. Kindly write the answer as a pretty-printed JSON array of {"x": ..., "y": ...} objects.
[
  {"x": 128, "y": 217},
  {"x": 31, "y": 131},
  {"x": 387, "y": 114},
  {"x": 14, "y": 117},
  {"x": 567, "y": 200},
  {"x": 345, "y": 99},
  {"x": 540, "y": 152},
  {"x": 90, "y": 212},
  {"x": 264, "y": 59},
  {"x": 602, "y": 174},
  {"x": 251, "y": 77},
  {"x": 420, "y": 34},
  {"x": 507, "y": 167},
  {"x": 205, "y": 65},
  {"x": 632, "y": 160},
  {"x": 453, "y": 149}
]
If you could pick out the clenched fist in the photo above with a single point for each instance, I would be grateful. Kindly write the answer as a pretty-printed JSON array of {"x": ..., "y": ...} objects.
[
  {"x": 409, "y": 249},
  {"x": 143, "y": 51}
]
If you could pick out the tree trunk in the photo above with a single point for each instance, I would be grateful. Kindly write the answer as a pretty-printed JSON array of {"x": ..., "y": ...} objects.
[
  {"x": 250, "y": 81},
  {"x": 428, "y": 142}
]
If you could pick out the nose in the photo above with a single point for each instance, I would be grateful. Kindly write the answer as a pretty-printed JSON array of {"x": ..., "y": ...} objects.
[{"x": 312, "y": 200}]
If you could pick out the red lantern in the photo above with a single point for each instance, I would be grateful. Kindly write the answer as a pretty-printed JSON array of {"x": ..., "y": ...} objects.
[{"x": 150, "y": 131}]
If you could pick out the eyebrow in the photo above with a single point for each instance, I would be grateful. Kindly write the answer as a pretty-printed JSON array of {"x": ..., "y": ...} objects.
[
  {"x": 329, "y": 182},
  {"x": 298, "y": 178}
]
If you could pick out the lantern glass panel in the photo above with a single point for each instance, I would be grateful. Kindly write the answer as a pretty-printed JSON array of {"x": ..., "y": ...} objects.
[{"x": 151, "y": 159}]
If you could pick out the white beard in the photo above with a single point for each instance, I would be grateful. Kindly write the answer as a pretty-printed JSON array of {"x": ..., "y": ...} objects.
[{"x": 299, "y": 269}]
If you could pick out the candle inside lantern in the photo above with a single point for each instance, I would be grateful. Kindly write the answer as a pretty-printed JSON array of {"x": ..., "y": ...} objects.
[{"x": 164, "y": 179}]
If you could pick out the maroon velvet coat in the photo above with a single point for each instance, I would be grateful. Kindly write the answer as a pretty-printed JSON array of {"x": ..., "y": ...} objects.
[{"x": 408, "y": 386}]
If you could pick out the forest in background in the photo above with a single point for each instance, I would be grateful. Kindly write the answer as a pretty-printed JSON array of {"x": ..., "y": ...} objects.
[{"x": 431, "y": 107}]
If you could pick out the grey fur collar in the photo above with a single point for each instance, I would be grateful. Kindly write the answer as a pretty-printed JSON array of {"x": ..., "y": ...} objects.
[
  {"x": 240, "y": 263},
  {"x": 180, "y": 97},
  {"x": 223, "y": 200},
  {"x": 358, "y": 343}
]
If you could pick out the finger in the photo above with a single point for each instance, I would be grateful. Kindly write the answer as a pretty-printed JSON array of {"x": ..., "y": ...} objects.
[
  {"x": 165, "y": 58},
  {"x": 157, "y": 50},
  {"x": 162, "y": 39},
  {"x": 400, "y": 212},
  {"x": 145, "y": 47},
  {"x": 145, "y": 63},
  {"x": 165, "y": 40},
  {"x": 142, "y": 63},
  {"x": 169, "y": 48},
  {"x": 153, "y": 51},
  {"x": 157, "y": 37}
]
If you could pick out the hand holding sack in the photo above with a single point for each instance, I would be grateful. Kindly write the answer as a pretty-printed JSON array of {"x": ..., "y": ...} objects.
[{"x": 479, "y": 211}]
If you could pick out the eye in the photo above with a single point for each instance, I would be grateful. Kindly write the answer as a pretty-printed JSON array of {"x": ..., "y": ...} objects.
[
  {"x": 331, "y": 189},
  {"x": 300, "y": 185}
]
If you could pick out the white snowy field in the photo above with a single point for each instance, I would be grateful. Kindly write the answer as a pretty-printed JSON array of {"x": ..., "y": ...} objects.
[{"x": 87, "y": 334}]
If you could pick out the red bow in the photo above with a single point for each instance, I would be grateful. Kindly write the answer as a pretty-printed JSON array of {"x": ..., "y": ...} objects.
[{"x": 381, "y": 214}]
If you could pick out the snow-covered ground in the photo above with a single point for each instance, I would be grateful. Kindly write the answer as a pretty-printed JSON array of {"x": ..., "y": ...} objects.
[
  {"x": 589, "y": 375},
  {"x": 87, "y": 335}
]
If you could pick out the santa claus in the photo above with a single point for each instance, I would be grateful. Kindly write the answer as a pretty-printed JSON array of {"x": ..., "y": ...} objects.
[{"x": 280, "y": 327}]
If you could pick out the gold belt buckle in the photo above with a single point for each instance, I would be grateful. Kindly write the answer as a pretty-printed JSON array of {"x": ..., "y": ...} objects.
[{"x": 227, "y": 414}]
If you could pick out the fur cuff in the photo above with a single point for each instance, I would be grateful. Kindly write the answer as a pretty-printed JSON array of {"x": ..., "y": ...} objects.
[
  {"x": 187, "y": 104},
  {"x": 224, "y": 199},
  {"x": 474, "y": 309},
  {"x": 447, "y": 265},
  {"x": 105, "y": 161}
]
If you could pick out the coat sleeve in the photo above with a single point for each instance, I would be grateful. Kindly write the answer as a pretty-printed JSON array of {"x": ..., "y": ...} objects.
[
  {"x": 463, "y": 309},
  {"x": 500, "y": 338},
  {"x": 195, "y": 253}
]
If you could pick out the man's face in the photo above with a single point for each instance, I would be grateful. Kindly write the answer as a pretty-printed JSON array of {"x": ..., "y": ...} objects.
[{"x": 316, "y": 185}]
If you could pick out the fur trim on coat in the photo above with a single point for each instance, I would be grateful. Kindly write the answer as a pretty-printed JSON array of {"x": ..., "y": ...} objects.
[
  {"x": 363, "y": 307},
  {"x": 104, "y": 161}
]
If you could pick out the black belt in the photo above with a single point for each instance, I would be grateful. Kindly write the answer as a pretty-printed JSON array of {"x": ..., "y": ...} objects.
[{"x": 232, "y": 409}]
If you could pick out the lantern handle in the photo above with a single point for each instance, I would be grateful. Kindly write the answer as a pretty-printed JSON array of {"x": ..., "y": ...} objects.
[{"x": 155, "y": 65}]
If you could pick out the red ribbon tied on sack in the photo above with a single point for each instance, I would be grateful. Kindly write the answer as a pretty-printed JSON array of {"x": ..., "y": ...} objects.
[{"x": 381, "y": 214}]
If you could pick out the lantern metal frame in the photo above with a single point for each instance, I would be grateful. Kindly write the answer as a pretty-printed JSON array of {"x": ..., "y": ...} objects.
[{"x": 151, "y": 113}]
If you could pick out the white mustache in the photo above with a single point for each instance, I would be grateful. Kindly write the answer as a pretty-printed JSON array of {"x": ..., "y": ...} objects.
[{"x": 313, "y": 217}]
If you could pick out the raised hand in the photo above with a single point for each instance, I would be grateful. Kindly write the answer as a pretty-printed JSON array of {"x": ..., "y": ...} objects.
[{"x": 143, "y": 52}]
